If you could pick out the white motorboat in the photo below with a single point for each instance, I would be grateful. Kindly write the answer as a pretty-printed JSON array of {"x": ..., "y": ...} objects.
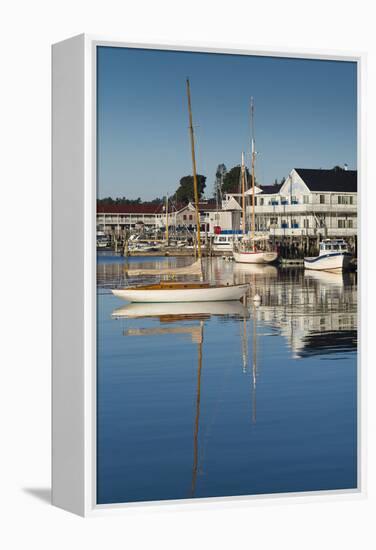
[
  {"x": 334, "y": 256},
  {"x": 225, "y": 242}
]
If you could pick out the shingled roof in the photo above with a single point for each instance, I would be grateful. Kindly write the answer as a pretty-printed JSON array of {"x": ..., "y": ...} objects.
[
  {"x": 329, "y": 180},
  {"x": 271, "y": 189}
]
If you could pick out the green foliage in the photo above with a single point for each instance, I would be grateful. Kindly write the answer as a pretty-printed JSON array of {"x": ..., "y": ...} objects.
[
  {"x": 118, "y": 200},
  {"x": 109, "y": 201},
  {"x": 219, "y": 177},
  {"x": 231, "y": 180},
  {"x": 185, "y": 192}
]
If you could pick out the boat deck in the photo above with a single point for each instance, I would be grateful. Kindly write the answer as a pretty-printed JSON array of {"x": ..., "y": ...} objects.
[{"x": 171, "y": 285}]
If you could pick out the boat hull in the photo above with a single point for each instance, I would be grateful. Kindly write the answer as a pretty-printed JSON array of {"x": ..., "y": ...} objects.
[
  {"x": 258, "y": 257},
  {"x": 205, "y": 294},
  {"x": 329, "y": 262}
]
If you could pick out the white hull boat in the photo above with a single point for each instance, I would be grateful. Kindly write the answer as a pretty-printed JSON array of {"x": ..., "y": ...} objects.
[
  {"x": 332, "y": 262},
  {"x": 255, "y": 257},
  {"x": 252, "y": 256},
  {"x": 181, "y": 292},
  {"x": 334, "y": 256},
  {"x": 171, "y": 292}
]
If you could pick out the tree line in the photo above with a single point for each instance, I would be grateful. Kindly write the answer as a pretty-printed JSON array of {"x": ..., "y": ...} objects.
[{"x": 226, "y": 181}]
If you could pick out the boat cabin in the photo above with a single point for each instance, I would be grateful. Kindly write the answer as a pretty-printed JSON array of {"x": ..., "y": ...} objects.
[{"x": 333, "y": 246}]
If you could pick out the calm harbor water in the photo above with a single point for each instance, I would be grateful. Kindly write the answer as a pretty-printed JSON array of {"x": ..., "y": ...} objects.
[{"x": 201, "y": 400}]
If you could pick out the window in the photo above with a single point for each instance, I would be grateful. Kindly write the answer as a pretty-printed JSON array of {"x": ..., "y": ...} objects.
[
  {"x": 322, "y": 199},
  {"x": 273, "y": 221},
  {"x": 305, "y": 199},
  {"x": 341, "y": 224},
  {"x": 306, "y": 223},
  {"x": 350, "y": 224},
  {"x": 345, "y": 199},
  {"x": 190, "y": 217},
  {"x": 261, "y": 201},
  {"x": 184, "y": 217}
]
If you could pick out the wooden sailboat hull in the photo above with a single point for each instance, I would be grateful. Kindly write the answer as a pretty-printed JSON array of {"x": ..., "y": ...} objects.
[
  {"x": 257, "y": 257},
  {"x": 182, "y": 293}
]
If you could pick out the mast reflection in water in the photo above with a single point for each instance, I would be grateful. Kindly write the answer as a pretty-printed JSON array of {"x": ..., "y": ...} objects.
[{"x": 218, "y": 399}]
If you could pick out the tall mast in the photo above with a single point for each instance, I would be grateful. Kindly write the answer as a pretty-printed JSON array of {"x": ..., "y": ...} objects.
[
  {"x": 167, "y": 218},
  {"x": 243, "y": 191},
  {"x": 253, "y": 153},
  {"x": 195, "y": 186}
]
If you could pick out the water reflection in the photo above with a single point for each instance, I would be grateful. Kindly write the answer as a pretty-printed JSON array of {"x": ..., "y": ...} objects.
[
  {"x": 256, "y": 421},
  {"x": 315, "y": 311}
]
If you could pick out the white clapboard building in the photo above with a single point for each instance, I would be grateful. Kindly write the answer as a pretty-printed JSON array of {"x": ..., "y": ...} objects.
[{"x": 310, "y": 202}]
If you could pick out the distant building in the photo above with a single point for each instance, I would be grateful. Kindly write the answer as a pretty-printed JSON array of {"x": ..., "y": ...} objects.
[
  {"x": 212, "y": 219},
  {"x": 115, "y": 218},
  {"x": 310, "y": 202}
]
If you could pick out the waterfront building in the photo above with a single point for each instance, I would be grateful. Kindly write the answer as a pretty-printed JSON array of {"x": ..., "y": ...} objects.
[
  {"x": 115, "y": 218},
  {"x": 310, "y": 202}
]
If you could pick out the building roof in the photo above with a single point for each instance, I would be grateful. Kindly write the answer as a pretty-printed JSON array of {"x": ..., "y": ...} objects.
[
  {"x": 329, "y": 180},
  {"x": 142, "y": 208},
  {"x": 271, "y": 189},
  {"x": 208, "y": 205}
]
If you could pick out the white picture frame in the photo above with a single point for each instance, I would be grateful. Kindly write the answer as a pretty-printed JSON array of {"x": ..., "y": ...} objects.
[{"x": 74, "y": 288}]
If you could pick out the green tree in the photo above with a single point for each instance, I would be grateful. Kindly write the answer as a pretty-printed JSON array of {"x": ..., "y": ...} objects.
[
  {"x": 231, "y": 181},
  {"x": 185, "y": 192},
  {"x": 219, "y": 178}
]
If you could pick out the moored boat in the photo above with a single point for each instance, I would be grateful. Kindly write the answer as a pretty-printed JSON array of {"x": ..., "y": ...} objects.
[
  {"x": 243, "y": 254},
  {"x": 189, "y": 291},
  {"x": 166, "y": 291},
  {"x": 333, "y": 256}
]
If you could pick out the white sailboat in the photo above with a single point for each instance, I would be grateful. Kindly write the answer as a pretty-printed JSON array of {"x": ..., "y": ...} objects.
[
  {"x": 250, "y": 254},
  {"x": 172, "y": 291}
]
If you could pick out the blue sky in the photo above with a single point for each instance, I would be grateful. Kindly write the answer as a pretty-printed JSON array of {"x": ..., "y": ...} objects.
[{"x": 305, "y": 116}]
